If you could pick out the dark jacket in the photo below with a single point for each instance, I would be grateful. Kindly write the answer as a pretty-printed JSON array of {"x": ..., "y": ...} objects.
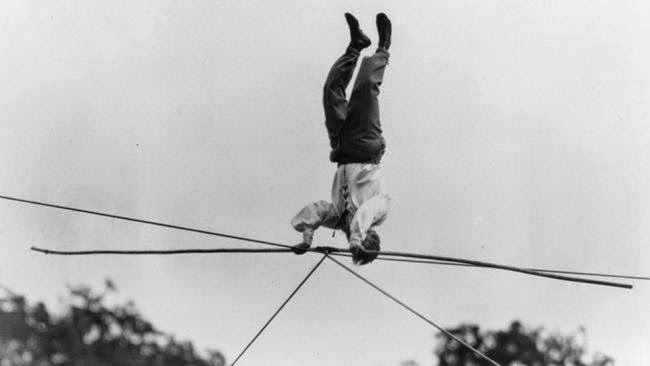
[{"x": 358, "y": 142}]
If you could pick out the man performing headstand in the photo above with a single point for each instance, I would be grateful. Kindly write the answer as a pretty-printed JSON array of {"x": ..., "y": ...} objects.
[{"x": 359, "y": 203}]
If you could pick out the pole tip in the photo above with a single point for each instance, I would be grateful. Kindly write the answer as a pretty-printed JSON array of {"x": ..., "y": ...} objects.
[{"x": 37, "y": 249}]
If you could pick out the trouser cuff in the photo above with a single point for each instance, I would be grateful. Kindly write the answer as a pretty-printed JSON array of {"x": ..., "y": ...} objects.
[
  {"x": 352, "y": 51},
  {"x": 383, "y": 50}
]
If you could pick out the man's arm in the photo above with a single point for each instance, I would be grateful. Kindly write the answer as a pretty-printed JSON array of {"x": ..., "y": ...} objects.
[{"x": 312, "y": 216}]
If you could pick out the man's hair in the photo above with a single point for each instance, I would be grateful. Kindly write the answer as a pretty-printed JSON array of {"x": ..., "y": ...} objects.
[{"x": 371, "y": 242}]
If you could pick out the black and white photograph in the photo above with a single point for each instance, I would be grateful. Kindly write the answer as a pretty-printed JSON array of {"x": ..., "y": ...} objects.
[{"x": 368, "y": 183}]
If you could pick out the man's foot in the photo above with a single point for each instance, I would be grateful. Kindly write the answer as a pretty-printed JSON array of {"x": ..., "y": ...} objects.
[
  {"x": 358, "y": 40},
  {"x": 384, "y": 28}
]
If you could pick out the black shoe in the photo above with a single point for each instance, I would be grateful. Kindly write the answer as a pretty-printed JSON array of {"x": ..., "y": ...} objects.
[
  {"x": 358, "y": 40},
  {"x": 384, "y": 28}
]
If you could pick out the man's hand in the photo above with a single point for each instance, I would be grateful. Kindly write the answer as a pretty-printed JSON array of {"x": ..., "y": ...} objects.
[
  {"x": 307, "y": 238},
  {"x": 300, "y": 248}
]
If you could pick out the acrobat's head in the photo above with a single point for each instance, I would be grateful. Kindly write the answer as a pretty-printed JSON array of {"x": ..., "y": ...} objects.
[{"x": 361, "y": 255}]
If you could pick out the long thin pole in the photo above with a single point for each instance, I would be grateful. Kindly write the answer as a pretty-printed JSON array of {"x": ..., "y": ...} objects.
[
  {"x": 504, "y": 267},
  {"x": 287, "y": 250},
  {"x": 161, "y": 251},
  {"x": 476, "y": 263}
]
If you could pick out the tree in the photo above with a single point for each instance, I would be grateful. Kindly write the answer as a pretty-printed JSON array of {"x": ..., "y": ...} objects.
[
  {"x": 89, "y": 333},
  {"x": 516, "y": 345}
]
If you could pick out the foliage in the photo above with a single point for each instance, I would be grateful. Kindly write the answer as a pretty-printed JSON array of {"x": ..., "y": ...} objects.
[
  {"x": 516, "y": 345},
  {"x": 88, "y": 333}
]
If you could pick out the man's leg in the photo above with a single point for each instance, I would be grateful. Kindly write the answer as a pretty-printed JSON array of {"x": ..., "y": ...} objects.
[
  {"x": 335, "y": 103},
  {"x": 363, "y": 109}
]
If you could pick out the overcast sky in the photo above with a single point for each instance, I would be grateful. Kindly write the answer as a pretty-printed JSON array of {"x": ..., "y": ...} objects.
[{"x": 517, "y": 132}]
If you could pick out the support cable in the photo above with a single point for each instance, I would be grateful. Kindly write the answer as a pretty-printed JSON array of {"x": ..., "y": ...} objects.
[
  {"x": 279, "y": 309},
  {"x": 326, "y": 249},
  {"x": 447, "y": 333}
]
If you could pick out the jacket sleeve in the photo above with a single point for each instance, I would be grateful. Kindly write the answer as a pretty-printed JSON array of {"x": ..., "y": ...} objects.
[
  {"x": 371, "y": 214},
  {"x": 314, "y": 215}
]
